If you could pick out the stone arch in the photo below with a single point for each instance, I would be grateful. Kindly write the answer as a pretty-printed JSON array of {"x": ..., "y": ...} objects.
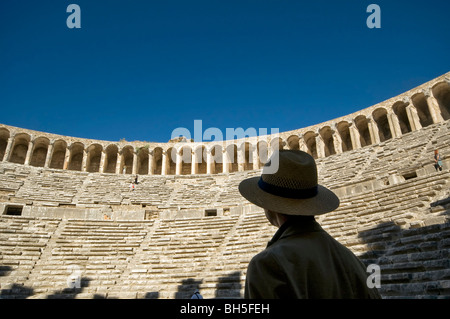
[
  {"x": 363, "y": 129},
  {"x": 343, "y": 129},
  {"x": 327, "y": 137},
  {"x": 293, "y": 142},
  {"x": 441, "y": 92},
  {"x": 157, "y": 160},
  {"x": 310, "y": 142},
  {"x": 232, "y": 156},
  {"x": 399, "y": 109},
  {"x": 126, "y": 163},
  {"x": 142, "y": 160},
  {"x": 420, "y": 102},
  {"x": 39, "y": 152},
  {"x": 217, "y": 159},
  {"x": 110, "y": 163},
  {"x": 276, "y": 144},
  {"x": 76, "y": 156},
  {"x": 4, "y": 136},
  {"x": 380, "y": 117},
  {"x": 20, "y": 148},
  {"x": 59, "y": 154},
  {"x": 94, "y": 156},
  {"x": 247, "y": 152},
  {"x": 263, "y": 153},
  {"x": 201, "y": 158},
  {"x": 186, "y": 160},
  {"x": 171, "y": 157}
]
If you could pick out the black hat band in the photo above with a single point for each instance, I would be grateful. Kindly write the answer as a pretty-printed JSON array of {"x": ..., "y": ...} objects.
[{"x": 288, "y": 192}]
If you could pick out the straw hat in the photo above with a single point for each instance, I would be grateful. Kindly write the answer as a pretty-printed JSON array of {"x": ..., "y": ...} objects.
[{"x": 292, "y": 188}]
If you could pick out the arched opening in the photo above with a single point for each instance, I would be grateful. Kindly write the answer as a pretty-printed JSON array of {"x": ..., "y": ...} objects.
[
  {"x": 4, "y": 136},
  {"x": 142, "y": 160},
  {"x": 293, "y": 142},
  {"x": 310, "y": 142},
  {"x": 441, "y": 92},
  {"x": 126, "y": 164},
  {"x": 110, "y": 164},
  {"x": 327, "y": 136},
  {"x": 399, "y": 109},
  {"x": 232, "y": 155},
  {"x": 76, "y": 156},
  {"x": 94, "y": 155},
  {"x": 39, "y": 154},
  {"x": 420, "y": 102},
  {"x": 380, "y": 118},
  {"x": 248, "y": 156},
  {"x": 343, "y": 129},
  {"x": 186, "y": 159},
  {"x": 157, "y": 161},
  {"x": 217, "y": 159},
  {"x": 59, "y": 154},
  {"x": 20, "y": 148},
  {"x": 363, "y": 129},
  {"x": 201, "y": 160},
  {"x": 171, "y": 161}
]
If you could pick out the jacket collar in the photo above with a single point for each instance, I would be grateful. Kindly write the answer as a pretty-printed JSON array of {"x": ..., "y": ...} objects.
[{"x": 295, "y": 225}]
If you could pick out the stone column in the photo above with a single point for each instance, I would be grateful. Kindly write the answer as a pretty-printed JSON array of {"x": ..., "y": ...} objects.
[
  {"x": 84, "y": 162},
  {"x": 118, "y": 163},
  {"x": 178, "y": 163},
  {"x": 413, "y": 117},
  {"x": 337, "y": 141},
  {"x": 394, "y": 124},
  {"x": 101, "y": 169},
  {"x": 135, "y": 163},
  {"x": 48, "y": 157},
  {"x": 241, "y": 157},
  {"x": 225, "y": 162},
  {"x": 151, "y": 163},
  {"x": 164, "y": 163},
  {"x": 194, "y": 163},
  {"x": 255, "y": 156},
  {"x": 29, "y": 152},
  {"x": 433, "y": 107},
  {"x": 301, "y": 144},
  {"x": 209, "y": 169},
  {"x": 373, "y": 131},
  {"x": 320, "y": 146},
  {"x": 354, "y": 136},
  {"x": 66, "y": 157},
  {"x": 8, "y": 149}
]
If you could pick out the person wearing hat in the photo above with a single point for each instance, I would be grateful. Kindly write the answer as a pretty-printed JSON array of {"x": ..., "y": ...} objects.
[{"x": 302, "y": 260}]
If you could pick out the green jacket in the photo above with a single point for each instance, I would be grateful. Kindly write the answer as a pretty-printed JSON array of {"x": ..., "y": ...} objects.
[{"x": 304, "y": 261}]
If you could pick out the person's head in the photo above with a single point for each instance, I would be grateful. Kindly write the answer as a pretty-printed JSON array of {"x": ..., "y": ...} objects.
[
  {"x": 436, "y": 151},
  {"x": 292, "y": 189}
]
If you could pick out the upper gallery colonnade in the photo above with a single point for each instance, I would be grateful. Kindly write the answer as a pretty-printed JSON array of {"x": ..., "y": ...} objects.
[{"x": 423, "y": 106}]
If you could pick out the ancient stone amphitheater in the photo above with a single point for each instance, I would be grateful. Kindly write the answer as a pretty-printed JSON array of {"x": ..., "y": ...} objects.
[{"x": 71, "y": 226}]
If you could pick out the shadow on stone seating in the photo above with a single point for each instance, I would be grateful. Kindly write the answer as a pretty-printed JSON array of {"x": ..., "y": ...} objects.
[
  {"x": 187, "y": 288},
  {"x": 442, "y": 204},
  {"x": 71, "y": 293},
  {"x": 16, "y": 291},
  {"x": 229, "y": 286},
  {"x": 414, "y": 263},
  {"x": 152, "y": 295}
]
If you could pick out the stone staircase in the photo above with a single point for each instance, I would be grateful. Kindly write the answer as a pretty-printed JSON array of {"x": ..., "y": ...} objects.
[{"x": 96, "y": 252}]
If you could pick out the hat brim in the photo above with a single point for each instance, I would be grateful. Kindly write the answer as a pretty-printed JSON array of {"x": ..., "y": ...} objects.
[{"x": 324, "y": 202}]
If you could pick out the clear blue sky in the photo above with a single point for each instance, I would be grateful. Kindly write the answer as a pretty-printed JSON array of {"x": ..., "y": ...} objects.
[{"x": 139, "y": 69}]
